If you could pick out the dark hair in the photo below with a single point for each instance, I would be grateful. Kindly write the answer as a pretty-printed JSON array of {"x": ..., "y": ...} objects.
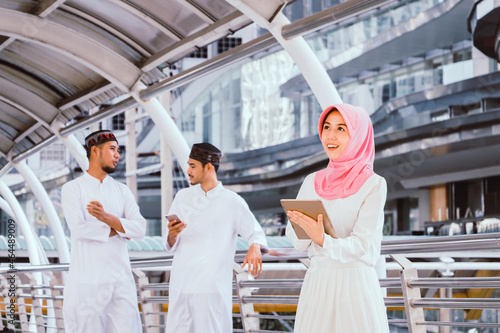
[
  {"x": 90, "y": 149},
  {"x": 88, "y": 152},
  {"x": 216, "y": 167},
  {"x": 326, "y": 116}
]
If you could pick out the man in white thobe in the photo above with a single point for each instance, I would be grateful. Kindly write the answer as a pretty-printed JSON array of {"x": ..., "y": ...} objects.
[
  {"x": 100, "y": 294},
  {"x": 204, "y": 239}
]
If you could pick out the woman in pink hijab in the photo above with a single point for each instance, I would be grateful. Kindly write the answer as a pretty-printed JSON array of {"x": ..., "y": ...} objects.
[{"x": 341, "y": 291}]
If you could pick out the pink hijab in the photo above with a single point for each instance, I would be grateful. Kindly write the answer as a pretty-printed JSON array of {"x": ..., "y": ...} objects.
[{"x": 344, "y": 176}]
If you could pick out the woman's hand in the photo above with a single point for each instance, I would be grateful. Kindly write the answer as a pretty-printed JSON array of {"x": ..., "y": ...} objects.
[{"x": 313, "y": 228}]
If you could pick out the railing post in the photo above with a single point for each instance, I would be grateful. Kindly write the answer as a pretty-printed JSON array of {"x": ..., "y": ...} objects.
[
  {"x": 56, "y": 302},
  {"x": 36, "y": 305},
  {"x": 21, "y": 309},
  {"x": 414, "y": 315},
  {"x": 445, "y": 314},
  {"x": 250, "y": 322},
  {"x": 306, "y": 262},
  {"x": 4, "y": 288},
  {"x": 147, "y": 308}
]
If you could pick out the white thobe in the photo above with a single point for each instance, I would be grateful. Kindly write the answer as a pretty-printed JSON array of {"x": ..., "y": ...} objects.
[
  {"x": 100, "y": 294},
  {"x": 200, "y": 297}
]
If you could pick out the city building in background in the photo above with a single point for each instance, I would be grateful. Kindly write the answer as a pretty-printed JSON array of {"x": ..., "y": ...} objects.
[{"x": 412, "y": 65}]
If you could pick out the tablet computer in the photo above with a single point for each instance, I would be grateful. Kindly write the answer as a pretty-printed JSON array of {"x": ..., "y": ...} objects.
[{"x": 310, "y": 208}]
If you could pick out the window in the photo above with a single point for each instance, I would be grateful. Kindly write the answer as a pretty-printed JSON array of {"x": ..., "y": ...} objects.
[
  {"x": 440, "y": 115},
  {"x": 295, "y": 10},
  {"x": 118, "y": 122},
  {"x": 154, "y": 227},
  {"x": 53, "y": 155},
  {"x": 207, "y": 122},
  {"x": 315, "y": 6},
  {"x": 460, "y": 110},
  {"x": 228, "y": 43},
  {"x": 407, "y": 215},
  {"x": 466, "y": 199},
  {"x": 492, "y": 196},
  {"x": 388, "y": 91},
  {"x": 188, "y": 125},
  {"x": 201, "y": 52},
  {"x": 4, "y": 223}
]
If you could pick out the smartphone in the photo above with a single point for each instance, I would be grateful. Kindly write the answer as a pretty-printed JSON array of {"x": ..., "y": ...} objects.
[{"x": 174, "y": 217}]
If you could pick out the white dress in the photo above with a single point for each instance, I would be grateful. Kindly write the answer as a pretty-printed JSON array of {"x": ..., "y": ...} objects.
[
  {"x": 341, "y": 291},
  {"x": 200, "y": 293},
  {"x": 100, "y": 294}
]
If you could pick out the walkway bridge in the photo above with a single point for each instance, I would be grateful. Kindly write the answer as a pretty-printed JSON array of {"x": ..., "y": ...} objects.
[{"x": 439, "y": 282}]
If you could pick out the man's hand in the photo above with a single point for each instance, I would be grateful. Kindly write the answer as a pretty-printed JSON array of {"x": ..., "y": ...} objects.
[
  {"x": 253, "y": 259},
  {"x": 174, "y": 229},
  {"x": 313, "y": 228},
  {"x": 96, "y": 209}
]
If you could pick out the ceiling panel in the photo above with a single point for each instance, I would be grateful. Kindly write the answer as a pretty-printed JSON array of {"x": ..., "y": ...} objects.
[{"x": 58, "y": 63}]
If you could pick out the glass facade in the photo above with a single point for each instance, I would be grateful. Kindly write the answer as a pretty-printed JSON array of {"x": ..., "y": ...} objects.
[
  {"x": 245, "y": 107},
  {"x": 251, "y": 105}
]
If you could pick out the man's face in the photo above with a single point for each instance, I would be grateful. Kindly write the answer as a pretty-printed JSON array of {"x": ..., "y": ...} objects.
[
  {"x": 108, "y": 154},
  {"x": 196, "y": 171}
]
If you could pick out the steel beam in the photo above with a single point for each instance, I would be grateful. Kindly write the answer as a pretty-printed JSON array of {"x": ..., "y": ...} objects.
[{"x": 72, "y": 44}]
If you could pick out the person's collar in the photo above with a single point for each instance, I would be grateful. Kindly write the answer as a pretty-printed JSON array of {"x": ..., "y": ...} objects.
[
  {"x": 211, "y": 193},
  {"x": 94, "y": 179}
]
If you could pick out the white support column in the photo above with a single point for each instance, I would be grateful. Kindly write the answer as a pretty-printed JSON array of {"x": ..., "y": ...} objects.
[
  {"x": 131, "y": 153},
  {"x": 4, "y": 205},
  {"x": 309, "y": 65},
  {"x": 167, "y": 182},
  {"x": 52, "y": 216},
  {"x": 95, "y": 126},
  {"x": 75, "y": 149},
  {"x": 73, "y": 145},
  {"x": 36, "y": 258},
  {"x": 168, "y": 128}
]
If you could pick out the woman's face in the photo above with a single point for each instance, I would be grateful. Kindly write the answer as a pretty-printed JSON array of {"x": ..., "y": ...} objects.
[{"x": 335, "y": 135}]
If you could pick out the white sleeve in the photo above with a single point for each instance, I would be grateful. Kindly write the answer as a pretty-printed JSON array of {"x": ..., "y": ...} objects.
[
  {"x": 248, "y": 226},
  {"x": 173, "y": 210},
  {"x": 366, "y": 236},
  {"x": 80, "y": 227},
  {"x": 299, "y": 244},
  {"x": 133, "y": 223}
]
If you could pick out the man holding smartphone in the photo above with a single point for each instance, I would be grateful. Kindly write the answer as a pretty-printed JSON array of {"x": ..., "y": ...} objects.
[{"x": 203, "y": 238}]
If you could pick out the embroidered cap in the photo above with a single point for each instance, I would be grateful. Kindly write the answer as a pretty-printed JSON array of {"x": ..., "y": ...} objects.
[
  {"x": 205, "y": 153},
  {"x": 97, "y": 138}
]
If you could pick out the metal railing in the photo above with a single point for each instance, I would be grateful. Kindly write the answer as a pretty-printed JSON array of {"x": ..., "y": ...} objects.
[{"x": 32, "y": 302}]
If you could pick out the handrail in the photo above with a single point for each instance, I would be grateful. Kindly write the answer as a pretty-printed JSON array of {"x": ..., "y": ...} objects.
[
  {"x": 254, "y": 296},
  {"x": 461, "y": 324},
  {"x": 458, "y": 282},
  {"x": 457, "y": 303},
  {"x": 422, "y": 244}
]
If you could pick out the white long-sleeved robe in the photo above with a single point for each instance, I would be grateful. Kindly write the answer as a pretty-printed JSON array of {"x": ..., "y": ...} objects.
[
  {"x": 341, "y": 290},
  {"x": 200, "y": 299},
  {"x": 100, "y": 294}
]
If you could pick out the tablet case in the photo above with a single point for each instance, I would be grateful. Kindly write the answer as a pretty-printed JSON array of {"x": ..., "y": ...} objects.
[{"x": 310, "y": 208}]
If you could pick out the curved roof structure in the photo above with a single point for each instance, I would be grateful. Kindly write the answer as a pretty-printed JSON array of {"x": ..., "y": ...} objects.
[{"x": 59, "y": 59}]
